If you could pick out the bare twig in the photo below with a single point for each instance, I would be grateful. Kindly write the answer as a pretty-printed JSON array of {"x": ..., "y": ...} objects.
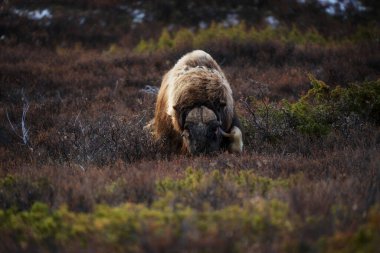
[
  {"x": 248, "y": 107},
  {"x": 118, "y": 83},
  {"x": 10, "y": 123},
  {"x": 24, "y": 136},
  {"x": 76, "y": 118},
  {"x": 25, "y": 131}
]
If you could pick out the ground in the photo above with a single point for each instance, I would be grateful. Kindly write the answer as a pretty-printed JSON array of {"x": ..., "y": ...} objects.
[{"x": 79, "y": 173}]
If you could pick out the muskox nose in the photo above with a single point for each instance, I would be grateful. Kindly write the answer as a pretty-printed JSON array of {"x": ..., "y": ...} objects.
[
  {"x": 203, "y": 137},
  {"x": 205, "y": 147},
  {"x": 198, "y": 148}
]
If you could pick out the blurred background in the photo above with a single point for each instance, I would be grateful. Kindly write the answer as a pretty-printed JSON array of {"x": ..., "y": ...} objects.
[{"x": 99, "y": 23}]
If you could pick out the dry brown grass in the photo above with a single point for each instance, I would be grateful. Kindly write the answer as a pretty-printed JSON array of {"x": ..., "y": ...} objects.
[{"x": 87, "y": 145}]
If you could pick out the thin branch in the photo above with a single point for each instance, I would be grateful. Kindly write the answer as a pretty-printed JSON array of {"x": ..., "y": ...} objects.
[
  {"x": 10, "y": 123},
  {"x": 76, "y": 118},
  {"x": 253, "y": 114},
  {"x": 24, "y": 130}
]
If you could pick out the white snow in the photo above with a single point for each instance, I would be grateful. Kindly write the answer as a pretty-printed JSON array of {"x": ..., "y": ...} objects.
[{"x": 33, "y": 14}]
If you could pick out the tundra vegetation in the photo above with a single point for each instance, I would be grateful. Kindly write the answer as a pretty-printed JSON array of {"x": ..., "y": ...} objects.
[{"x": 78, "y": 173}]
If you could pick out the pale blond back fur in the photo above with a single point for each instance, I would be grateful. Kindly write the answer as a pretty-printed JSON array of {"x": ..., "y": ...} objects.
[{"x": 195, "y": 79}]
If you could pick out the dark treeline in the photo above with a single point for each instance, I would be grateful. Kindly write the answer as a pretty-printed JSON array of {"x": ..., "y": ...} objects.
[{"x": 100, "y": 22}]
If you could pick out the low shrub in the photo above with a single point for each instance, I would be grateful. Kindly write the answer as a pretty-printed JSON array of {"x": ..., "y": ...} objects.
[
  {"x": 217, "y": 190},
  {"x": 168, "y": 225},
  {"x": 240, "y": 35},
  {"x": 165, "y": 225},
  {"x": 317, "y": 113},
  {"x": 364, "y": 239},
  {"x": 19, "y": 193}
]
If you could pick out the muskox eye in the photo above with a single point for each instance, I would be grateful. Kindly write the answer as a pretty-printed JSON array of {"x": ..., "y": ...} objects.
[{"x": 214, "y": 130}]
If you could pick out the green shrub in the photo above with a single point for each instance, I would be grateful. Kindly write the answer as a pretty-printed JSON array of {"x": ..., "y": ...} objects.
[
  {"x": 316, "y": 113},
  {"x": 183, "y": 38},
  {"x": 314, "y": 37},
  {"x": 241, "y": 34},
  {"x": 132, "y": 227},
  {"x": 145, "y": 46},
  {"x": 267, "y": 34},
  {"x": 237, "y": 33},
  {"x": 234, "y": 210},
  {"x": 294, "y": 36},
  {"x": 216, "y": 189},
  {"x": 165, "y": 41},
  {"x": 364, "y": 239},
  {"x": 322, "y": 107},
  {"x": 20, "y": 193},
  {"x": 368, "y": 33},
  {"x": 209, "y": 35},
  {"x": 360, "y": 98}
]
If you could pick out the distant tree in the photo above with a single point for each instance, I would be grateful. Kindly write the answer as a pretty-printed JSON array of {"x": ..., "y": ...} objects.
[{"x": 99, "y": 22}]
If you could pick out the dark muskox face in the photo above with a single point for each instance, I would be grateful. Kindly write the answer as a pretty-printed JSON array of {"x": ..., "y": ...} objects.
[{"x": 201, "y": 132}]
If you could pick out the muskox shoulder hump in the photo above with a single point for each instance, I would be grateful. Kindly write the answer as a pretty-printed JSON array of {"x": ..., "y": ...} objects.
[{"x": 197, "y": 58}]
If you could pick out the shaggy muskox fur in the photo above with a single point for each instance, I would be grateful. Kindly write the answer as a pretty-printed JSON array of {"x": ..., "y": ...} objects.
[{"x": 195, "y": 93}]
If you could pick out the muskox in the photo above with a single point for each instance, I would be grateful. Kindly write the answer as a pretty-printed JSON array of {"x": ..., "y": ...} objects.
[{"x": 195, "y": 108}]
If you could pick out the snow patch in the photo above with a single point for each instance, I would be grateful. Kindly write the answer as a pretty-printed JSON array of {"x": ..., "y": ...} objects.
[
  {"x": 272, "y": 21},
  {"x": 33, "y": 14}
]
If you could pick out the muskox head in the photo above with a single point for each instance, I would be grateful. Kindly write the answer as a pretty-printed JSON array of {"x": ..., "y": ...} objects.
[{"x": 201, "y": 130}]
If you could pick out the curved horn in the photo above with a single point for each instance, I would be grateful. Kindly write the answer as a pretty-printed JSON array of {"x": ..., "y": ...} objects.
[{"x": 224, "y": 133}]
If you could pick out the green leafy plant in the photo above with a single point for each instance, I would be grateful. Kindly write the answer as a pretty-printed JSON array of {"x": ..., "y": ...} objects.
[
  {"x": 241, "y": 34},
  {"x": 317, "y": 112},
  {"x": 19, "y": 193}
]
